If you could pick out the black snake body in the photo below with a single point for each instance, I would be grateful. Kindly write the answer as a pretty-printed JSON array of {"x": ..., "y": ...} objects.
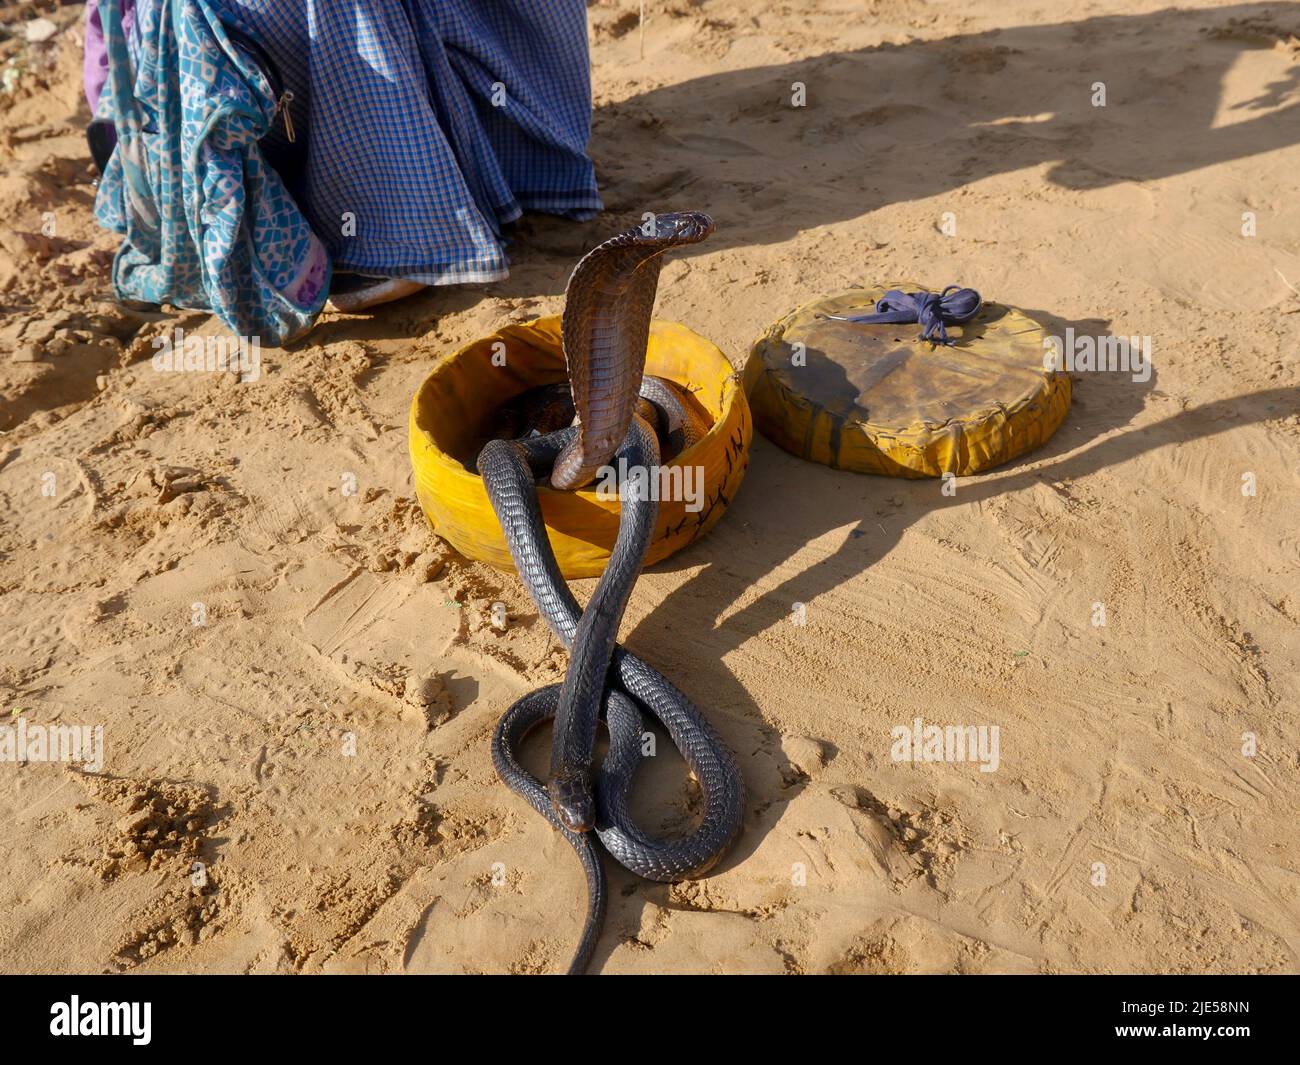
[{"x": 605, "y": 332}]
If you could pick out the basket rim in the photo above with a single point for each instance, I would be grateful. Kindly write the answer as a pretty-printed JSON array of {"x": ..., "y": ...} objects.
[{"x": 450, "y": 466}]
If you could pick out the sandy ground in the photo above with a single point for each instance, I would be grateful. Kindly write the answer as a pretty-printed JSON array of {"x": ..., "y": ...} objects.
[{"x": 1128, "y": 826}]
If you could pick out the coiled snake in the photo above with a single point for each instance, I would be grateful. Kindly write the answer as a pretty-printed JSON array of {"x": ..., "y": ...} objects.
[{"x": 605, "y": 330}]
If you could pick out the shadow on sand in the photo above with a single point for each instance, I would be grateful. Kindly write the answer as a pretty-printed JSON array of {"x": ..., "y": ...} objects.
[{"x": 951, "y": 112}]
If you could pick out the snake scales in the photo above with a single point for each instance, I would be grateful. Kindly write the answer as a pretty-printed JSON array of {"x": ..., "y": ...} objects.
[{"x": 605, "y": 330}]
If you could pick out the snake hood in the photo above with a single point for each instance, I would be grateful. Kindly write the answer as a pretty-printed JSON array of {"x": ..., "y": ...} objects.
[{"x": 605, "y": 329}]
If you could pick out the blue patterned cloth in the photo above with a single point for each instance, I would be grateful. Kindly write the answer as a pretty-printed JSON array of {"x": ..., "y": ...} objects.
[
  {"x": 422, "y": 128},
  {"x": 426, "y": 126},
  {"x": 206, "y": 222}
]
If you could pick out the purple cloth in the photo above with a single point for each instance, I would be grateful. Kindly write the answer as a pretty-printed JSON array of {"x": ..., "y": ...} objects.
[{"x": 94, "y": 69}]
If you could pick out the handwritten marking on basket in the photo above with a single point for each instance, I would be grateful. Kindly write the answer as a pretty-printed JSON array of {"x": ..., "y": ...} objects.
[{"x": 736, "y": 447}]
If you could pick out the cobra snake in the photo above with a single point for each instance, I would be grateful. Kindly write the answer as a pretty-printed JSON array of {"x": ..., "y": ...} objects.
[{"x": 604, "y": 332}]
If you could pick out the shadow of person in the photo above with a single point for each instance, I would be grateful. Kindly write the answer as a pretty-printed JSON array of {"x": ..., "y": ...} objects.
[
  {"x": 895, "y": 123},
  {"x": 772, "y": 151}
]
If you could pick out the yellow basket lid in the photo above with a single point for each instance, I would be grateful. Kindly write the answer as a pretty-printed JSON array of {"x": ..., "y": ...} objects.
[{"x": 875, "y": 398}]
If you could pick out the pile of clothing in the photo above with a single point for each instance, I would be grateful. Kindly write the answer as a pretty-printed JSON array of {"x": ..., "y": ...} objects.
[{"x": 261, "y": 146}]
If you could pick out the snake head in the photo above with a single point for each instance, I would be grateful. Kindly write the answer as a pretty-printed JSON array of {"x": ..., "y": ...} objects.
[
  {"x": 571, "y": 800},
  {"x": 674, "y": 228}
]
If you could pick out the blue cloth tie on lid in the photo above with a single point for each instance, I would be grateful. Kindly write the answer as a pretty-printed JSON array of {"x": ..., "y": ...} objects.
[{"x": 932, "y": 311}]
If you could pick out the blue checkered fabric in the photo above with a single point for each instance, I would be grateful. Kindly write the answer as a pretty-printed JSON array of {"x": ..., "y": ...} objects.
[
  {"x": 205, "y": 221},
  {"x": 428, "y": 125}
]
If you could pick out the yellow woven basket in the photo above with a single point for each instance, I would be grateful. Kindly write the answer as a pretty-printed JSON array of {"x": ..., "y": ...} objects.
[
  {"x": 878, "y": 399},
  {"x": 454, "y": 411}
]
